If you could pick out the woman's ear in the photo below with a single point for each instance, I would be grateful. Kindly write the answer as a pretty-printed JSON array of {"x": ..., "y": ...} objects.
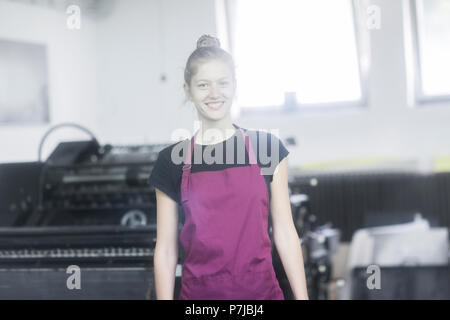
[{"x": 186, "y": 91}]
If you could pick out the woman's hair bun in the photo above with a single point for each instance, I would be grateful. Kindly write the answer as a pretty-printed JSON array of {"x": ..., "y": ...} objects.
[{"x": 207, "y": 40}]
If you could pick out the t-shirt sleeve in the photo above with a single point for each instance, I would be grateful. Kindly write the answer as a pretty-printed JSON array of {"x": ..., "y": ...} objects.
[
  {"x": 282, "y": 152},
  {"x": 161, "y": 176}
]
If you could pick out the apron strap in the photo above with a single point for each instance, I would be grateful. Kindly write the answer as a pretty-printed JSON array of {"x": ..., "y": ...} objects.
[{"x": 249, "y": 148}]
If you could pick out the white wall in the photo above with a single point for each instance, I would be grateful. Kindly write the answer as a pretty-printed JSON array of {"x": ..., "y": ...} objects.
[
  {"x": 72, "y": 76},
  {"x": 114, "y": 88}
]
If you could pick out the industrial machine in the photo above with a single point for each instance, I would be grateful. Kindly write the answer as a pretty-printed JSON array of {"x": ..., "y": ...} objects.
[{"x": 88, "y": 206}]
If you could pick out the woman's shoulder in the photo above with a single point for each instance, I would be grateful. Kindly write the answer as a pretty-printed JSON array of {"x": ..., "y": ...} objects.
[{"x": 172, "y": 152}]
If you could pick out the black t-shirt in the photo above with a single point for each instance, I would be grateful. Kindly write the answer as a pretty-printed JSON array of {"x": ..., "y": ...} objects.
[{"x": 167, "y": 171}]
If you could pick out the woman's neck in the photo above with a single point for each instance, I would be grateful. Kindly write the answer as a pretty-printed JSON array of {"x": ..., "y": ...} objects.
[{"x": 213, "y": 132}]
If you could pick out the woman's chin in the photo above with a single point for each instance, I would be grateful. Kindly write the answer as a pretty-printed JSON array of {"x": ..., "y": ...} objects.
[{"x": 215, "y": 115}]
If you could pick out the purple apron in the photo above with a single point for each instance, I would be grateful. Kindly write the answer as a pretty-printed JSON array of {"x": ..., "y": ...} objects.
[{"x": 225, "y": 234}]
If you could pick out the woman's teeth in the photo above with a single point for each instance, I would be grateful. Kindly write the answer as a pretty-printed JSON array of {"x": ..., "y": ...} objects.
[{"x": 215, "y": 105}]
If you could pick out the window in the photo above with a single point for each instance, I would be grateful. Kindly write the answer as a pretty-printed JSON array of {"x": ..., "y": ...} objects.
[
  {"x": 431, "y": 24},
  {"x": 292, "y": 53}
]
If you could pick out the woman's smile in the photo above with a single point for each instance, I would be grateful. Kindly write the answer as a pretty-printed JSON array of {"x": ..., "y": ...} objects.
[{"x": 216, "y": 105}]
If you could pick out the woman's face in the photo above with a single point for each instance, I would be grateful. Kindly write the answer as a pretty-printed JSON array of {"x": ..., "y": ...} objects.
[{"x": 212, "y": 89}]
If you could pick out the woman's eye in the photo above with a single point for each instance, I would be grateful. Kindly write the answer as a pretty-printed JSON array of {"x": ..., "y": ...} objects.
[{"x": 202, "y": 85}]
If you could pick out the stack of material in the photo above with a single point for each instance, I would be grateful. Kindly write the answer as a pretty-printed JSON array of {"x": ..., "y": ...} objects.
[{"x": 407, "y": 245}]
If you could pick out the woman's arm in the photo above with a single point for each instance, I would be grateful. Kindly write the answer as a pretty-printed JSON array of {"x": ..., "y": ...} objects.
[
  {"x": 285, "y": 235},
  {"x": 166, "y": 250}
]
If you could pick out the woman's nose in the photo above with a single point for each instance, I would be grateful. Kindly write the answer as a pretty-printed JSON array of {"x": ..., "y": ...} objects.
[{"x": 214, "y": 91}]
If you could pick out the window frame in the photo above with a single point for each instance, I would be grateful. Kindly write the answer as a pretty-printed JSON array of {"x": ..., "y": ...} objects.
[
  {"x": 362, "y": 53},
  {"x": 420, "y": 98}
]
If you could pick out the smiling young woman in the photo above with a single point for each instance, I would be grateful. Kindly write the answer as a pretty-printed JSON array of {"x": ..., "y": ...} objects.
[
  {"x": 226, "y": 205},
  {"x": 210, "y": 84}
]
